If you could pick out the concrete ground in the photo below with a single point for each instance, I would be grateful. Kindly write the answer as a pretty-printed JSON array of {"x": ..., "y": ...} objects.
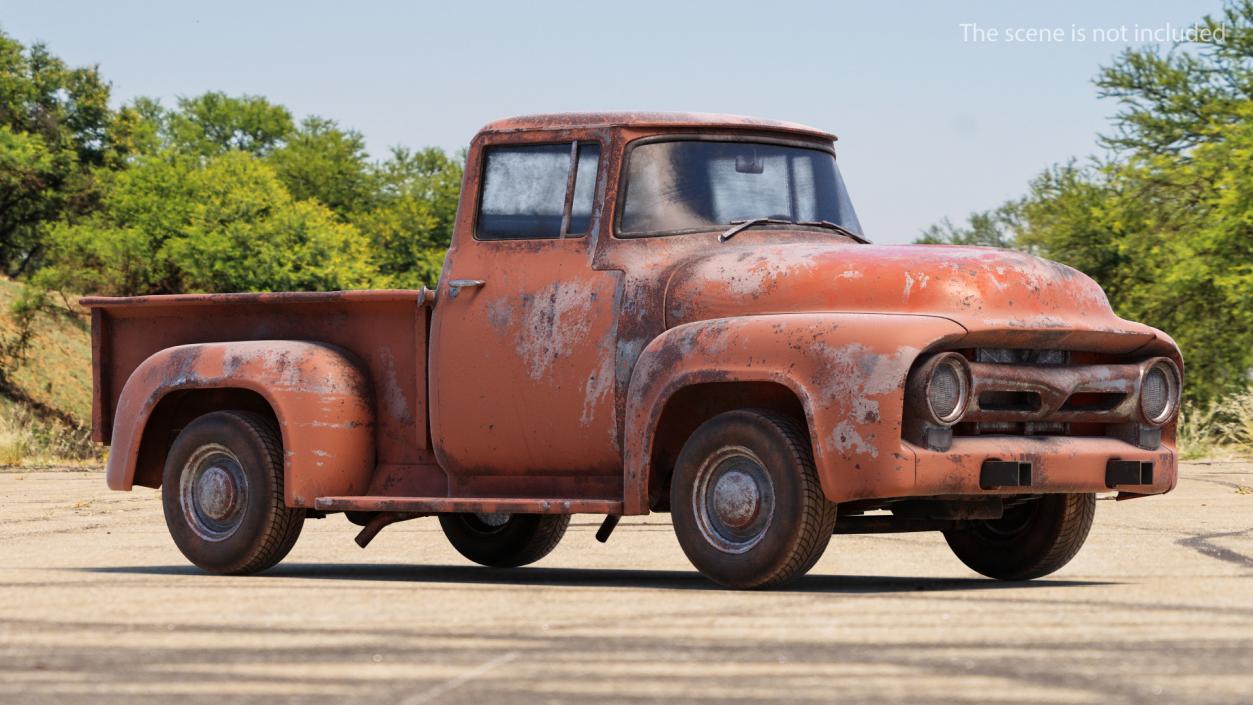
[{"x": 97, "y": 606}]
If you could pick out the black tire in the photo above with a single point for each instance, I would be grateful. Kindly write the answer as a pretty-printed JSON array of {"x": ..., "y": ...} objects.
[
  {"x": 504, "y": 540},
  {"x": 1031, "y": 540},
  {"x": 222, "y": 492},
  {"x": 746, "y": 502}
]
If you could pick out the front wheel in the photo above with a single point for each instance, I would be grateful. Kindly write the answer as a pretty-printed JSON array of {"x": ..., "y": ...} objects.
[
  {"x": 222, "y": 492},
  {"x": 504, "y": 540},
  {"x": 1031, "y": 540},
  {"x": 746, "y": 502}
]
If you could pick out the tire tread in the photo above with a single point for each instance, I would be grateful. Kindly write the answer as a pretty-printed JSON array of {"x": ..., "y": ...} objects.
[
  {"x": 548, "y": 534},
  {"x": 1078, "y": 514},
  {"x": 1063, "y": 534},
  {"x": 818, "y": 522},
  {"x": 284, "y": 522}
]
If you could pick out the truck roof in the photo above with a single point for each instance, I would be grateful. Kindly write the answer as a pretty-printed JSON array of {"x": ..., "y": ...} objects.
[{"x": 566, "y": 121}]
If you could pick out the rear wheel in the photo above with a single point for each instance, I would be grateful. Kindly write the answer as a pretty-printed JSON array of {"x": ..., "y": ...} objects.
[
  {"x": 746, "y": 503},
  {"x": 504, "y": 540},
  {"x": 222, "y": 493},
  {"x": 1031, "y": 540}
]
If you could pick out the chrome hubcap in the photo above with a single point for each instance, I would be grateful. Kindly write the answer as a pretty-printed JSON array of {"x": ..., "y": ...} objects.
[
  {"x": 216, "y": 492},
  {"x": 213, "y": 492},
  {"x": 734, "y": 499}
]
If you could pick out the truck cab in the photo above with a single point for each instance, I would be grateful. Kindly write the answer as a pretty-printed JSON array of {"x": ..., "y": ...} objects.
[{"x": 644, "y": 313}]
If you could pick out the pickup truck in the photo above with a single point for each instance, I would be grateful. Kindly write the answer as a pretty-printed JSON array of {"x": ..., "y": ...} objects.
[{"x": 638, "y": 313}]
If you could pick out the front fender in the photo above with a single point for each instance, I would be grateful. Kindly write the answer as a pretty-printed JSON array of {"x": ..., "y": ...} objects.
[
  {"x": 847, "y": 369},
  {"x": 321, "y": 398}
]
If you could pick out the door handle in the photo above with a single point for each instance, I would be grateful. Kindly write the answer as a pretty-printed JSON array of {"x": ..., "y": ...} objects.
[{"x": 456, "y": 285}]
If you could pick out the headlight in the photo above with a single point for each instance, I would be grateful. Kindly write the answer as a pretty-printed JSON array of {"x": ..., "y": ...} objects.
[
  {"x": 1159, "y": 392},
  {"x": 948, "y": 388}
]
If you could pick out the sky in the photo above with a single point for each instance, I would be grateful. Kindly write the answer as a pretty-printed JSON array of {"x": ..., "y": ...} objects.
[{"x": 936, "y": 116}]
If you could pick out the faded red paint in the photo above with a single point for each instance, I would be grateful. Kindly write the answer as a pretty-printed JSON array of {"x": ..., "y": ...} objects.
[
  {"x": 564, "y": 383},
  {"x": 319, "y": 396}
]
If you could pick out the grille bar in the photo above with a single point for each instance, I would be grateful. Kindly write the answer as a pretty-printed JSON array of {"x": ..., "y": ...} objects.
[{"x": 1010, "y": 393}]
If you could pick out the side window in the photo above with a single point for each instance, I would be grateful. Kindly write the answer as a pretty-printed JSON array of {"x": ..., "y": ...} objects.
[
  {"x": 528, "y": 192},
  {"x": 584, "y": 189}
]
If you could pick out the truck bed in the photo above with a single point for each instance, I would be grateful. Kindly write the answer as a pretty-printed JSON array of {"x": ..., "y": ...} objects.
[{"x": 385, "y": 329}]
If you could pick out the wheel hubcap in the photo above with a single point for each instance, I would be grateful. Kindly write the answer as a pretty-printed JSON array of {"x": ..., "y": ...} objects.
[
  {"x": 216, "y": 492},
  {"x": 213, "y": 492},
  {"x": 734, "y": 499}
]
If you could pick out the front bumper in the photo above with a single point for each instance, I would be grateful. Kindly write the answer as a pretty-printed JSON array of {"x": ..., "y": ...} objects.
[{"x": 1057, "y": 464}]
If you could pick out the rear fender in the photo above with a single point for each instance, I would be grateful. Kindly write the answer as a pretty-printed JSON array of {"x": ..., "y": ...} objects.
[
  {"x": 319, "y": 395},
  {"x": 848, "y": 371}
]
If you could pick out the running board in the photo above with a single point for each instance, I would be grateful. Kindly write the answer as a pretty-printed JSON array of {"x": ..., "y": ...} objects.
[{"x": 476, "y": 505}]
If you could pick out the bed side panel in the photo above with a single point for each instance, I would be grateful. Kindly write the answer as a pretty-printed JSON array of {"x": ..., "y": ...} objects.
[{"x": 387, "y": 334}]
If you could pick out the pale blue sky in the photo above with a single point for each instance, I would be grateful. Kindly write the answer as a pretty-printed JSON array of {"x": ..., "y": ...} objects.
[{"x": 930, "y": 125}]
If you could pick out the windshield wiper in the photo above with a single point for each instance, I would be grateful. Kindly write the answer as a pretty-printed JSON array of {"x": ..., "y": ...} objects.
[
  {"x": 738, "y": 225},
  {"x": 836, "y": 227},
  {"x": 741, "y": 225}
]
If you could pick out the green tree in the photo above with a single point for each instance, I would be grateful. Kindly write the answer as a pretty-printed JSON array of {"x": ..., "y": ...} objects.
[
  {"x": 320, "y": 161},
  {"x": 214, "y": 123},
  {"x": 54, "y": 130},
  {"x": 1171, "y": 99},
  {"x": 412, "y": 224},
  {"x": 31, "y": 175},
  {"x": 67, "y": 107},
  {"x": 218, "y": 193},
  {"x": 175, "y": 223}
]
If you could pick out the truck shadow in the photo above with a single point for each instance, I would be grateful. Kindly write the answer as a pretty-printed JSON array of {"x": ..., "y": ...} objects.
[{"x": 602, "y": 578}]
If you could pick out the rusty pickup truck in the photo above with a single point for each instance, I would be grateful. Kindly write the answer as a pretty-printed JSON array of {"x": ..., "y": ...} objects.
[{"x": 641, "y": 313}]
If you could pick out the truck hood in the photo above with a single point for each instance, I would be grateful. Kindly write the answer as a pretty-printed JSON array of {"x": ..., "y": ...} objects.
[{"x": 991, "y": 292}]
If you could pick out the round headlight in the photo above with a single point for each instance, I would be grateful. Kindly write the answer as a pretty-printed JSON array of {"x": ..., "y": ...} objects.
[
  {"x": 1159, "y": 393},
  {"x": 948, "y": 389}
]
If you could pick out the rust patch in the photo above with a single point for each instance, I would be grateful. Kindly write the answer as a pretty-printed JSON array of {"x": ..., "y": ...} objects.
[{"x": 554, "y": 322}]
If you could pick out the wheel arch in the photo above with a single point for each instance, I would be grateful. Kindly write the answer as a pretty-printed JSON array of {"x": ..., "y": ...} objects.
[
  {"x": 692, "y": 403},
  {"x": 175, "y": 410},
  {"x": 318, "y": 396}
]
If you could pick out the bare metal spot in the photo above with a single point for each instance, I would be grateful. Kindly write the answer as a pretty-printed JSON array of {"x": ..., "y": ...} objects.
[{"x": 554, "y": 321}]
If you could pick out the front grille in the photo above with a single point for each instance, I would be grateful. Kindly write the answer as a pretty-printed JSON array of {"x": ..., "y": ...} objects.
[
  {"x": 1022, "y": 356},
  {"x": 1027, "y": 428},
  {"x": 1009, "y": 401},
  {"x": 1032, "y": 392},
  {"x": 1035, "y": 392}
]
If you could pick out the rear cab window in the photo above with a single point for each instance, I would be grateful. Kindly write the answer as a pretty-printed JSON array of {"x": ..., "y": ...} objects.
[{"x": 537, "y": 191}]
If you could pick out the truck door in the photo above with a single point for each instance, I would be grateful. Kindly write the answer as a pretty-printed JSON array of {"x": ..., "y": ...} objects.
[{"x": 523, "y": 335}]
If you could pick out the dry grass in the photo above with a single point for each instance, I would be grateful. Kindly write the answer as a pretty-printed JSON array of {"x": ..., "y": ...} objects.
[
  {"x": 27, "y": 440},
  {"x": 57, "y": 370},
  {"x": 44, "y": 409},
  {"x": 1223, "y": 429}
]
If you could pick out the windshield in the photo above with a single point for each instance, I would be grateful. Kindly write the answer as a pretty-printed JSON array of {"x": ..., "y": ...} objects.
[{"x": 690, "y": 185}]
